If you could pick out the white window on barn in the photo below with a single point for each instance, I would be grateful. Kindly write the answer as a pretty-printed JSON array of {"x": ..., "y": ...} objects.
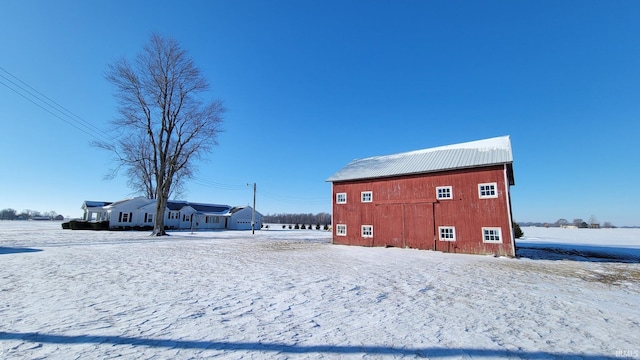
[
  {"x": 444, "y": 192},
  {"x": 367, "y": 231},
  {"x": 341, "y": 230},
  {"x": 492, "y": 235},
  {"x": 488, "y": 190},
  {"x": 341, "y": 198},
  {"x": 366, "y": 196},
  {"x": 447, "y": 233}
]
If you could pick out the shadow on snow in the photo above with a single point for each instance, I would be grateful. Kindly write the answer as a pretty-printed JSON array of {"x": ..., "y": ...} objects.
[
  {"x": 10, "y": 250},
  {"x": 590, "y": 253},
  {"x": 286, "y": 348}
]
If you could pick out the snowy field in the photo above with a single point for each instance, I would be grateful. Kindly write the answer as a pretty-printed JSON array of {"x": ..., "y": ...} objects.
[{"x": 283, "y": 294}]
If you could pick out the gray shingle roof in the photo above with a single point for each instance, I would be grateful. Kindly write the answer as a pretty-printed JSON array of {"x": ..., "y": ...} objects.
[{"x": 478, "y": 153}]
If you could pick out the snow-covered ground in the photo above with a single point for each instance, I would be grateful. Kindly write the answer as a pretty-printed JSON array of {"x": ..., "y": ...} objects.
[{"x": 291, "y": 294}]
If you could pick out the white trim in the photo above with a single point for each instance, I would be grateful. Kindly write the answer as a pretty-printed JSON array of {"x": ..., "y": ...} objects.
[
  {"x": 366, "y": 231},
  {"x": 341, "y": 198},
  {"x": 508, "y": 200},
  {"x": 448, "y": 230},
  {"x": 492, "y": 232},
  {"x": 341, "y": 229},
  {"x": 489, "y": 191},
  {"x": 445, "y": 194},
  {"x": 365, "y": 193}
]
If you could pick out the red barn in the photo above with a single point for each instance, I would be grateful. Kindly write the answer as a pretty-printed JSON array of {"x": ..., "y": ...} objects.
[{"x": 453, "y": 198}]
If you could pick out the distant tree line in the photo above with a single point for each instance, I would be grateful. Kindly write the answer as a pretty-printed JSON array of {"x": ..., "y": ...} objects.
[
  {"x": 12, "y": 214},
  {"x": 579, "y": 223},
  {"x": 309, "y": 219}
]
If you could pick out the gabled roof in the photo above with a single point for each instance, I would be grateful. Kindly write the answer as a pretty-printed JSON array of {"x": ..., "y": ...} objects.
[
  {"x": 487, "y": 152},
  {"x": 140, "y": 199}
]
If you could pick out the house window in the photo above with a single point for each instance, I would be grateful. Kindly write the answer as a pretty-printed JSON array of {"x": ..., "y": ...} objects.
[
  {"x": 444, "y": 192},
  {"x": 212, "y": 219},
  {"x": 125, "y": 217},
  {"x": 492, "y": 235},
  {"x": 486, "y": 191},
  {"x": 341, "y": 230},
  {"x": 447, "y": 233},
  {"x": 367, "y": 196},
  {"x": 186, "y": 217},
  {"x": 341, "y": 198},
  {"x": 367, "y": 231},
  {"x": 174, "y": 215},
  {"x": 148, "y": 217}
]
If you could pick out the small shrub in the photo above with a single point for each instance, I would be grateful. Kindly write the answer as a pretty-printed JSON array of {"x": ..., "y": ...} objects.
[
  {"x": 290, "y": 226},
  {"x": 303, "y": 227},
  {"x": 318, "y": 227},
  {"x": 517, "y": 232},
  {"x": 297, "y": 227},
  {"x": 326, "y": 227},
  {"x": 285, "y": 226}
]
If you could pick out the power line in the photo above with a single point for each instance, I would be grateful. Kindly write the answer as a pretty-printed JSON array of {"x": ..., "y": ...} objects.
[
  {"x": 261, "y": 192},
  {"x": 52, "y": 107},
  {"x": 295, "y": 199},
  {"x": 217, "y": 185}
]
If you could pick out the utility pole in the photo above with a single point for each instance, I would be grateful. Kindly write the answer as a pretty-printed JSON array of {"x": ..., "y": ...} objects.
[{"x": 253, "y": 211}]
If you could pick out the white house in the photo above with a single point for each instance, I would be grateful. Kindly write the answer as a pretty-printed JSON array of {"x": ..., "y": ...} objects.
[{"x": 139, "y": 212}]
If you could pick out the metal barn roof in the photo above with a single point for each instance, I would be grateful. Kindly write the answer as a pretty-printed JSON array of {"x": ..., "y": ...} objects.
[{"x": 485, "y": 152}]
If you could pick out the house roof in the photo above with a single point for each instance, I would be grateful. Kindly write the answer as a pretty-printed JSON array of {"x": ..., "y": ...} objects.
[
  {"x": 210, "y": 208},
  {"x": 493, "y": 151},
  {"x": 200, "y": 208},
  {"x": 89, "y": 203},
  {"x": 174, "y": 205}
]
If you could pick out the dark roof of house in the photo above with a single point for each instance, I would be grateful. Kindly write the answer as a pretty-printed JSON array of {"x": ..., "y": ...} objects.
[
  {"x": 210, "y": 208},
  {"x": 89, "y": 203},
  {"x": 176, "y": 205},
  {"x": 203, "y": 208}
]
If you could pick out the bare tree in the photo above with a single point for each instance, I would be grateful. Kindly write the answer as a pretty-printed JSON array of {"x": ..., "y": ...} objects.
[
  {"x": 561, "y": 222},
  {"x": 163, "y": 125}
]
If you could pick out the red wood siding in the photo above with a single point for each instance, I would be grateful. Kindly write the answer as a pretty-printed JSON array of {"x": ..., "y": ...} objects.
[{"x": 405, "y": 212}]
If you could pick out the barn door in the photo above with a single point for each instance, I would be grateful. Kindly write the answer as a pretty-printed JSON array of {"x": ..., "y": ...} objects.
[
  {"x": 419, "y": 225},
  {"x": 388, "y": 226}
]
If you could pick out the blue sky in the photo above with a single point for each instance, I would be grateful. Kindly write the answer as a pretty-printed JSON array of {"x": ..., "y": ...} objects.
[{"x": 311, "y": 85}]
